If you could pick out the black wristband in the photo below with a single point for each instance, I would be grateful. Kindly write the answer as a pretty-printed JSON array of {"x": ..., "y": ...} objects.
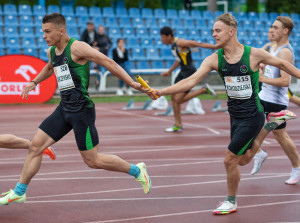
[{"x": 34, "y": 82}]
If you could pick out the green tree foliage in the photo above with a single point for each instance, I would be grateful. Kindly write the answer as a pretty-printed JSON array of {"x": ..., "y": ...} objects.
[
  {"x": 291, "y": 6},
  {"x": 173, "y": 4},
  {"x": 4, "y": 2},
  {"x": 25, "y": 2},
  {"x": 52, "y": 2},
  {"x": 152, "y": 4},
  {"x": 84, "y": 3},
  {"x": 132, "y": 3},
  {"x": 252, "y": 5},
  {"x": 103, "y": 3}
]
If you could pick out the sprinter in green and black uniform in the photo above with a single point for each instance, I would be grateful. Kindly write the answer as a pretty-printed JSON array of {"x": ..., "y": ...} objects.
[
  {"x": 76, "y": 110},
  {"x": 238, "y": 67},
  {"x": 182, "y": 51},
  {"x": 69, "y": 60},
  {"x": 246, "y": 112}
]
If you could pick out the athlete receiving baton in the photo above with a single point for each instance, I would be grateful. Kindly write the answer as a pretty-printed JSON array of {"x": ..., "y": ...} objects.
[{"x": 144, "y": 84}]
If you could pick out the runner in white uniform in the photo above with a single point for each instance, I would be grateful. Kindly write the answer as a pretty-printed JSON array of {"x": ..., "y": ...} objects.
[{"x": 274, "y": 95}]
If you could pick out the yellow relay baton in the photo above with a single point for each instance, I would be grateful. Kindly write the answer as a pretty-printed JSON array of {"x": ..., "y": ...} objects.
[{"x": 143, "y": 83}]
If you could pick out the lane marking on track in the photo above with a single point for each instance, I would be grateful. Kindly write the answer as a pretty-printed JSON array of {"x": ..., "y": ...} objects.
[
  {"x": 156, "y": 187},
  {"x": 157, "y": 119},
  {"x": 192, "y": 212}
]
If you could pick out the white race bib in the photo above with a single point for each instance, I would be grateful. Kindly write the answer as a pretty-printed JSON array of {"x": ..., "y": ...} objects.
[
  {"x": 267, "y": 73},
  {"x": 63, "y": 77},
  {"x": 238, "y": 87}
]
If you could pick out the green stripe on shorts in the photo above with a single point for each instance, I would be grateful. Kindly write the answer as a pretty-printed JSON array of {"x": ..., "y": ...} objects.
[
  {"x": 88, "y": 140},
  {"x": 245, "y": 147}
]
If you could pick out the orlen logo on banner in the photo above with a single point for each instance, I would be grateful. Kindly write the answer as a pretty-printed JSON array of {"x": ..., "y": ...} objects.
[{"x": 15, "y": 73}]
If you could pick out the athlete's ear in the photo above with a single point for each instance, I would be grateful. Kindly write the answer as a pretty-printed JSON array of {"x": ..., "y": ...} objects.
[
  {"x": 232, "y": 31},
  {"x": 62, "y": 31},
  {"x": 285, "y": 30}
]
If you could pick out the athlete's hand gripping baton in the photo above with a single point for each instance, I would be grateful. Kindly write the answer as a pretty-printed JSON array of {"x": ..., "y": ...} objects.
[{"x": 144, "y": 84}]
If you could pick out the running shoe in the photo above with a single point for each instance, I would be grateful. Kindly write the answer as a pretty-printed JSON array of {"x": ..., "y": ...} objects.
[
  {"x": 174, "y": 128},
  {"x": 119, "y": 92},
  {"x": 11, "y": 197},
  {"x": 50, "y": 152},
  {"x": 210, "y": 90},
  {"x": 281, "y": 117},
  {"x": 295, "y": 176},
  {"x": 259, "y": 159},
  {"x": 144, "y": 178},
  {"x": 129, "y": 91},
  {"x": 225, "y": 207}
]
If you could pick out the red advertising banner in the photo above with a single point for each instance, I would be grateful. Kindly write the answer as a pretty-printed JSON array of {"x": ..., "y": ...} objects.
[{"x": 16, "y": 71}]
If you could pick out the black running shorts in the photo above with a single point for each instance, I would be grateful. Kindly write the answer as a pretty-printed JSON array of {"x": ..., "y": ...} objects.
[
  {"x": 243, "y": 132},
  {"x": 185, "y": 72},
  {"x": 272, "y": 107},
  {"x": 60, "y": 122}
]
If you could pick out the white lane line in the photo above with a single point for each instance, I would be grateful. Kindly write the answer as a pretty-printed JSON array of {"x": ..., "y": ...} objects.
[
  {"x": 192, "y": 212},
  {"x": 157, "y": 119},
  {"x": 163, "y": 198},
  {"x": 142, "y": 149},
  {"x": 155, "y": 187},
  {"x": 129, "y": 177},
  {"x": 212, "y": 160}
]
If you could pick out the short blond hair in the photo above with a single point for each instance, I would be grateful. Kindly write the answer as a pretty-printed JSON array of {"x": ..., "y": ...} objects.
[
  {"x": 228, "y": 19},
  {"x": 287, "y": 22}
]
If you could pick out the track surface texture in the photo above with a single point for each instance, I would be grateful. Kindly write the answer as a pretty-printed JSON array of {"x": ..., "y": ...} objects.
[{"x": 186, "y": 169}]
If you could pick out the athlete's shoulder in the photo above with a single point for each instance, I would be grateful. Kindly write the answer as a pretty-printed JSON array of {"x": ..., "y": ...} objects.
[
  {"x": 285, "y": 54},
  {"x": 79, "y": 46},
  {"x": 256, "y": 51},
  {"x": 211, "y": 61}
]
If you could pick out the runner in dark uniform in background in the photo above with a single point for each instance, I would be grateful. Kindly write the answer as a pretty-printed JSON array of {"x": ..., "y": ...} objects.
[
  {"x": 246, "y": 113},
  {"x": 182, "y": 51},
  {"x": 69, "y": 59}
]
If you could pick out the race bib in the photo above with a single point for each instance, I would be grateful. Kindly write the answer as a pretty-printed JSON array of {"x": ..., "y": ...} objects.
[
  {"x": 238, "y": 87},
  {"x": 63, "y": 77},
  {"x": 267, "y": 73}
]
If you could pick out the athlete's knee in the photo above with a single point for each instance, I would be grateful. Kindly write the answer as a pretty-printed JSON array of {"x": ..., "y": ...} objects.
[
  {"x": 230, "y": 160},
  {"x": 93, "y": 162},
  {"x": 244, "y": 161},
  {"x": 178, "y": 99},
  {"x": 35, "y": 148}
]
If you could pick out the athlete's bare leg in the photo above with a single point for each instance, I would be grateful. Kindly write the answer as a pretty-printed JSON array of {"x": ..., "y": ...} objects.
[
  {"x": 13, "y": 142},
  {"x": 104, "y": 161},
  {"x": 177, "y": 108},
  {"x": 288, "y": 146},
  {"x": 34, "y": 157}
]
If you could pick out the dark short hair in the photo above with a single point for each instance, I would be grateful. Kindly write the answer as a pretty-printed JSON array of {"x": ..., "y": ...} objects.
[
  {"x": 55, "y": 18},
  {"x": 90, "y": 22},
  {"x": 166, "y": 30},
  {"x": 119, "y": 39}
]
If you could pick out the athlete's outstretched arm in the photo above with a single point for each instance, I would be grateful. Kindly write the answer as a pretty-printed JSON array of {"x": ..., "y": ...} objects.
[
  {"x": 192, "y": 43},
  {"x": 81, "y": 51},
  {"x": 45, "y": 73},
  {"x": 209, "y": 64},
  {"x": 266, "y": 58}
]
